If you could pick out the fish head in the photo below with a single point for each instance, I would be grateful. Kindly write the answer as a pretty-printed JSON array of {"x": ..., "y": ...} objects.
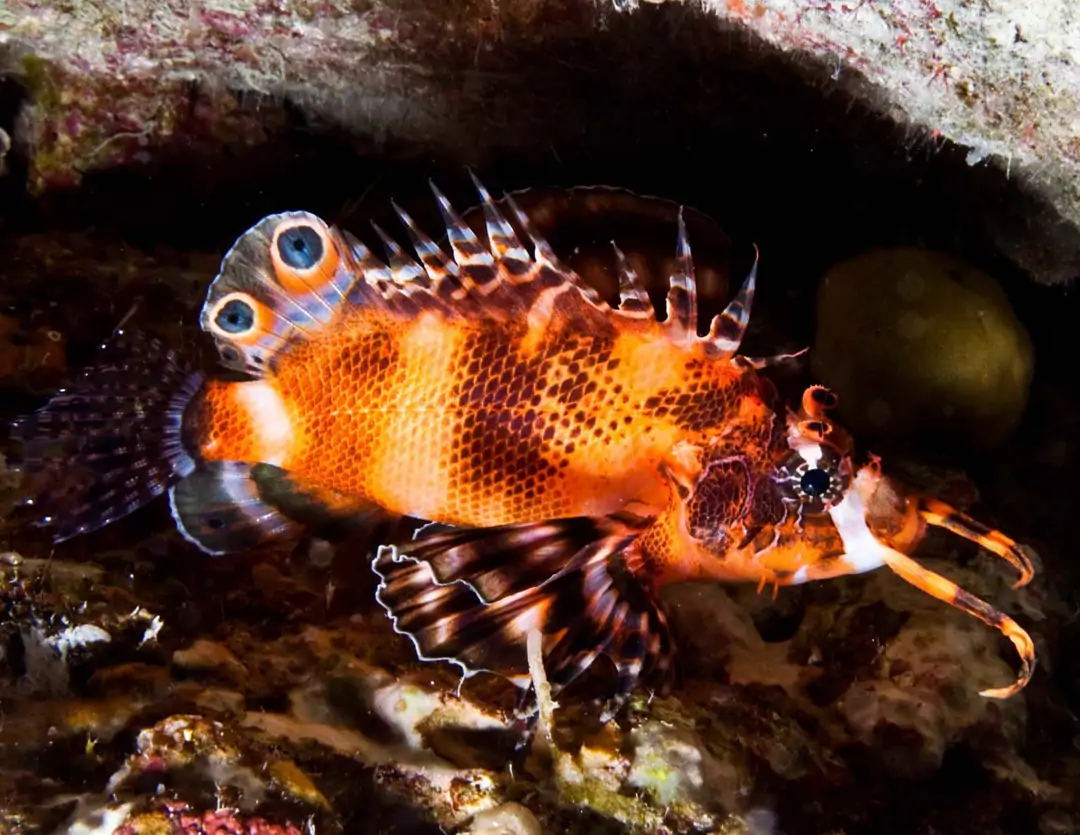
[{"x": 807, "y": 511}]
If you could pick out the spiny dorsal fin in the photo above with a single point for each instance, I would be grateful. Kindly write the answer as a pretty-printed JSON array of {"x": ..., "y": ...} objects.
[
  {"x": 504, "y": 242},
  {"x": 681, "y": 321},
  {"x": 369, "y": 264},
  {"x": 633, "y": 297},
  {"x": 405, "y": 270},
  {"x": 729, "y": 328},
  {"x": 291, "y": 273},
  {"x": 545, "y": 256},
  {"x": 468, "y": 251},
  {"x": 435, "y": 261}
]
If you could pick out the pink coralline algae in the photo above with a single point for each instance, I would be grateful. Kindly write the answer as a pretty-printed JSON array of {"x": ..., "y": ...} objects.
[{"x": 222, "y": 822}]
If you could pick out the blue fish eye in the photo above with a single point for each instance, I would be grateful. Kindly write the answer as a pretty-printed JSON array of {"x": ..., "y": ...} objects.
[
  {"x": 300, "y": 247},
  {"x": 236, "y": 317},
  {"x": 815, "y": 481}
]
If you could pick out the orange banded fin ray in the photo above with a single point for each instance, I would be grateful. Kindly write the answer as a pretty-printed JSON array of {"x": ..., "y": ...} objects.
[
  {"x": 729, "y": 327},
  {"x": 946, "y": 590},
  {"x": 633, "y": 297},
  {"x": 942, "y": 515},
  {"x": 682, "y": 314}
]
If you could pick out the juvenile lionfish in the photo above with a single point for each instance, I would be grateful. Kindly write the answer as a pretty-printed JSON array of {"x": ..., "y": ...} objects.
[{"x": 585, "y": 455}]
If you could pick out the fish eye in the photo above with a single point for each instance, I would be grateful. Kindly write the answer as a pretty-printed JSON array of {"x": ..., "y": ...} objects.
[
  {"x": 300, "y": 247},
  {"x": 815, "y": 481},
  {"x": 812, "y": 481},
  {"x": 236, "y": 317}
]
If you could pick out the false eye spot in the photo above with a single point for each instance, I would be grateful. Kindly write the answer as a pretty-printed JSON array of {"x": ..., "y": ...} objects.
[
  {"x": 815, "y": 481},
  {"x": 236, "y": 317},
  {"x": 300, "y": 247}
]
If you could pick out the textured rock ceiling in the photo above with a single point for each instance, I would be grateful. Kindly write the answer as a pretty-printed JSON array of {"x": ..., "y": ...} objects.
[{"x": 988, "y": 86}]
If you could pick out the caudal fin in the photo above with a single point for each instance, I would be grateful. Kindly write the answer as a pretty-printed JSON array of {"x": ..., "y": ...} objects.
[
  {"x": 110, "y": 443},
  {"x": 471, "y": 596}
]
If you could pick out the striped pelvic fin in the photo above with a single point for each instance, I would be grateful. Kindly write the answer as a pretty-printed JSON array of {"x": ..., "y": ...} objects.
[
  {"x": 470, "y": 597},
  {"x": 218, "y": 509}
]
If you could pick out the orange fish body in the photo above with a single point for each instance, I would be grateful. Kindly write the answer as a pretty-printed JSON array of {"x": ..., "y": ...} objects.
[
  {"x": 586, "y": 455},
  {"x": 478, "y": 423}
]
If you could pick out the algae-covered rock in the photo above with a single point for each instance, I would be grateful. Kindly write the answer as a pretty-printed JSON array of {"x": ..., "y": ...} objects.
[{"x": 920, "y": 342}]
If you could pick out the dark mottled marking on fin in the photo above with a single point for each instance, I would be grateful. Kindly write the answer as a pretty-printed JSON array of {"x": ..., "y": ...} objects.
[
  {"x": 500, "y": 561},
  {"x": 110, "y": 443},
  {"x": 729, "y": 327},
  {"x": 219, "y": 509},
  {"x": 470, "y": 597}
]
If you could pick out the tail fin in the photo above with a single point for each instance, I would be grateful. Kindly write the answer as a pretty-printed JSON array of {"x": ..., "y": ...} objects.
[
  {"x": 470, "y": 597},
  {"x": 112, "y": 442}
]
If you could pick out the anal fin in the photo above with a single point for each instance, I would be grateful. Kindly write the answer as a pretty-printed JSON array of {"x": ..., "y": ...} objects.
[
  {"x": 228, "y": 506},
  {"x": 471, "y": 596}
]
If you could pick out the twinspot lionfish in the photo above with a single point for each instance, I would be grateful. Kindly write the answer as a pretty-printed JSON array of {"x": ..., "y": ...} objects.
[{"x": 585, "y": 455}]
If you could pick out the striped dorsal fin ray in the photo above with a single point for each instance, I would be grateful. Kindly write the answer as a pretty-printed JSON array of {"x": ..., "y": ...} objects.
[{"x": 729, "y": 327}]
